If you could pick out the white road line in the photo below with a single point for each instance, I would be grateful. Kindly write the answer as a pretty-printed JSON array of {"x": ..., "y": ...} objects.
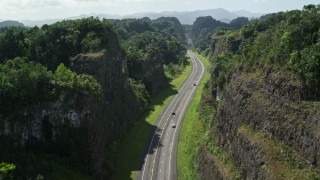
[
  {"x": 192, "y": 92},
  {"x": 155, "y": 156},
  {"x": 154, "y": 136},
  {"x": 172, "y": 102},
  {"x": 189, "y": 83},
  {"x": 181, "y": 94}
]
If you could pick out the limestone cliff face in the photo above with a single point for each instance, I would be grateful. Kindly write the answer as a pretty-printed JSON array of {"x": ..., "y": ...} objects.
[
  {"x": 268, "y": 123},
  {"x": 112, "y": 113},
  {"x": 220, "y": 44},
  {"x": 78, "y": 126},
  {"x": 28, "y": 123},
  {"x": 154, "y": 74},
  {"x": 151, "y": 73}
]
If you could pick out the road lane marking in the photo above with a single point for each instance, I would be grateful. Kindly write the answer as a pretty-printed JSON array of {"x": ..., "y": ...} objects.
[
  {"x": 181, "y": 95},
  {"x": 194, "y": 73},
  {"x": 155, "y": 134},
  {"x": 179, "y": 119},
  {"x": 171, "y": 103}
]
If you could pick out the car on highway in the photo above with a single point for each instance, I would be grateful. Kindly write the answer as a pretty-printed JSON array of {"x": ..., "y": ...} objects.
[
  {"x": 194, "y": 84},
  {"x": 173, "y": 113},
  {"x": 173, "y": 125}
]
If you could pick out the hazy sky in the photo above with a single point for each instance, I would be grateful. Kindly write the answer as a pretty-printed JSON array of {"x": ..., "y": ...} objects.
[{"x": 48, "y": 9}]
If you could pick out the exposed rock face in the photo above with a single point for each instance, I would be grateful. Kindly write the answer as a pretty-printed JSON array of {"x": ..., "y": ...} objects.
[
  {"x": 84, "y": 125},
  {"x": 151, "y": 73},
  {"x": 154, "y": 74},
  {"x": 113, "y": 112},
  {"x": 66, "y": 110},
  {"x": 220, "y": 44},
  {"x": 207, "y": 165},
  {"x": 264, "y": 119}
]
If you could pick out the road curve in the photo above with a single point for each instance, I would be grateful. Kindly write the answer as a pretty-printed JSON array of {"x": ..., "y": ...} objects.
[{"x": 160, "y": 162}]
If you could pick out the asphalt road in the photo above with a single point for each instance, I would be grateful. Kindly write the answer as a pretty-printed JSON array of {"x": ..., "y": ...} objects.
[{"x": 160, "y": 162}]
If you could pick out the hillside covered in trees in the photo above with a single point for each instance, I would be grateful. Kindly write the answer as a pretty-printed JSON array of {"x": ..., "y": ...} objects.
[
  {"x": 260, "y": 108},
  {"x": 65, "y": 88},
  {"x": 203, "y": 27},
  {"x": 4, "y": 24}
]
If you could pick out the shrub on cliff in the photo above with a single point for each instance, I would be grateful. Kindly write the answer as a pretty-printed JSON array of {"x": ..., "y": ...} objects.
[
  {"x": 23, "y": 84},
  {"x": 287, "y": 40},
  {"x": 57, "y": 43},
  {"x": 65, "y": 78},
  {"x": 28, "y": 83}
]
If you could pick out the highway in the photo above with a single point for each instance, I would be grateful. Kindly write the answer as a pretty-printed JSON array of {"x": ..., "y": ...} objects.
[{"x": 160, "y": 162}]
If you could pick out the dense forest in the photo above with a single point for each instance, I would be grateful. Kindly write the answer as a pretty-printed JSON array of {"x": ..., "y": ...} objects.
[
  {"x": 203, "y": 27},
  {"x": 64, "y": 91},
  {"x": 285, "y": 40},
  {"x": 143, "y": 39},
  {"x": 70, "y": 91},
  {"x": 260, "y": 108}
]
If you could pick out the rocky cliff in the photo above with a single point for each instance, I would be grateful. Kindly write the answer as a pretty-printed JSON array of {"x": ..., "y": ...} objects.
[
  {"x": 267, "y": 124},
  {"x": 76, "y": 126},
  {"x": 266, "y": 118},
  {"x": 112, "y": 113},
  {"x": 150, "y": 72},
  {"x": 68, "y": 101}
]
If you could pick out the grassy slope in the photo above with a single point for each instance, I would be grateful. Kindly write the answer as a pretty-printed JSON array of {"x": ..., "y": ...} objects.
[
  {"x": 192, "y": 130},
  {"x": 131, "y": 150}
]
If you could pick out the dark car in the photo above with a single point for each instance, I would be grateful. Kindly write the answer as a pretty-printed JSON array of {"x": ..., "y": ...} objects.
[
  {"x": 173, "y": 113},
  {"x": 194, "y": 84}
]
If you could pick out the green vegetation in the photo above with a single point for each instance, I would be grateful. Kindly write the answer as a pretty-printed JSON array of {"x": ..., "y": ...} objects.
[
  {"x": 222, "y": 159},
  {"x": 172, "y": 71},
  {"x": 65, "y": 78},
  {"x": 287, "y": 42},
  {"x": 57, "y": 43},
  {"x": 280, "y": 159},
  {"x": 149, "y": 45},
  {"x": 194, "y": 125},
  {"x": 203, "y": 28},
  {"x": 133, "y": 145},
  {"x": 127, "y": 28},
  {"x": 141, "y": 93},
  {"x": 36, "y": 72},
  {"x": 299, "y": 37},
  {"x": 5, "y": 169},
  {"x": 27, "y": 84}
]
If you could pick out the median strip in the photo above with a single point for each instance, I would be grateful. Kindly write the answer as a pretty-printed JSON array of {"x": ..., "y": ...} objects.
[{"x": 132, "y": 147}]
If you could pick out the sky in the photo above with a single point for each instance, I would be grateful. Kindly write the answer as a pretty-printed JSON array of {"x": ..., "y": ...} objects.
[{"x": 51, "y": 9}]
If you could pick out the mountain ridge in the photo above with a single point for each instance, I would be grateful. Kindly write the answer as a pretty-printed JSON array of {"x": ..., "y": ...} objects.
[
  {"x": 10, "y": 23},
  {"x": 185, "y": 17}
]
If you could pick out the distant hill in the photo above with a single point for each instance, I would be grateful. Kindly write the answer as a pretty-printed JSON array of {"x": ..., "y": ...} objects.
[
  {"x": 248, "y": 14},
  {"x": 32, "y": 23},
  {"x": 11, "y": 24},
  {"x": 190, "y": 16},
  {"x": 186, "y": 17}
]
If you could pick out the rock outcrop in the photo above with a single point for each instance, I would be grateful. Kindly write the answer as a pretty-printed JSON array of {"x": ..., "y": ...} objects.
[
  {"x": 268, "y": 123},
  {"x": 151, "y": 73},
  {"x": 79, "y": 126}
]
